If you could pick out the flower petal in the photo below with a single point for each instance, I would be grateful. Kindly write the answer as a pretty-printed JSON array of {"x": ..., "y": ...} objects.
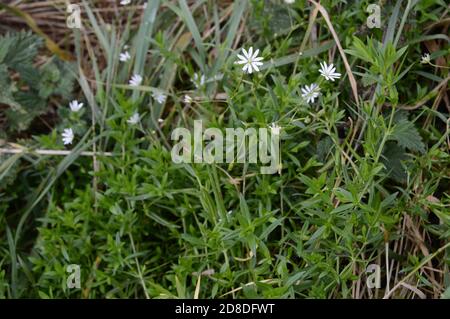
[
  {"x": 245, "y": 53},
  {"x": 255, "y": 55}
]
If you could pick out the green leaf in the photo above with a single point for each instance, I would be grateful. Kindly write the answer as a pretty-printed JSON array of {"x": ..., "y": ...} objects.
[
  {"x": 22, "y": 48},
  {"x": 406, "y": 134},
  {"x": 393, "y": 157}
]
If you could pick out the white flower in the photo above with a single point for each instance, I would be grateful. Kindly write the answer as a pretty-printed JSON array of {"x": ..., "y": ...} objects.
[
  {"x": 125, "y": 2},
  {"x": 134, "y": 119},
  {"x": 250, "y": 60},
  {"x": 310, "y": 93},
  {"x": 160, "y": 120},
  {"x": 198, "y": 80},
  {"x": 289, "y": 1},
  {"x": 124, "y": 57},
  {"x": 159, "y": 96},
  {"x": 426, "y": 59},
  {"x": 187, "y": 99},
  {"x": 75, "y": 106},
  {"x": 136, "y": 80},
  {"x": 67, "y": 136},
  {"x": 275, "y": 129},
  {"x": 329, "y": 71}
]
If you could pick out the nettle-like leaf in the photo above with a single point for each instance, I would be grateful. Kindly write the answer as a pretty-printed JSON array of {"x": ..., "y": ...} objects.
[
  {"x": 7, "y": 89},
  {"x": 22, "y": 48},
  {"x": 60, "y": 79},
  {"x": 50, "y": 76},
  {"x": 395, "y": 160},
  {"x": 324, "y": 146},
  {"x": 5, "y": 44},
  {"x": 32, "y": 105},
  {"x": 27, "y": 96},
  {"x": 28, "y": 75},
  {"x": 407, "y": 136}
]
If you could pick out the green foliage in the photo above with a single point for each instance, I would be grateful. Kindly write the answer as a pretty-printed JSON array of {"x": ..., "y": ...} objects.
[
  {"x": 355, "y": 177},
  {"x": 28, "y": 91},
  {"x": 407, "y": 136}
]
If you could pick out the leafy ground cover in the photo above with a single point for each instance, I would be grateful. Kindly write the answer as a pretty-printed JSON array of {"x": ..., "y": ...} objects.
[{"x": 87, "y": 177}]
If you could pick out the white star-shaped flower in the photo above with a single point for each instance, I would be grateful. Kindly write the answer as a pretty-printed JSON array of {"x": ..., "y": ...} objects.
[
  {"x": 67, "y": 136},
  {"x": 134, "y": 119},
  {"x": 426, "y": 59},
  {"x": 329, "y": 71},
  {"x": 136, "y": 80},
  {"x": 198, "y": 80},
  {"x": 310, "y": 93},
  {"x": 125, "y": 2},
  {"x": 124, "y": 57},
  {"x": 187, "y": 99},
  {"x": 250, "y": 60},
  {"x": 159, "y": 96},
  {"x": 275, "y": 129},
  {"x": 75, "y": 106}
]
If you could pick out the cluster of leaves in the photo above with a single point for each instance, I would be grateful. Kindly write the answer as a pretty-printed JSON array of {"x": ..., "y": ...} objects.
[
  {"x": 141, "y": 226},
  {"x": 26, "y": 88}
]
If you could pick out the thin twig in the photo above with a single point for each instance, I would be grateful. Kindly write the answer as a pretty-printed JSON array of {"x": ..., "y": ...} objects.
[
  {"x": 50, "y": 152},
  {"x": 351, "y": 78}
]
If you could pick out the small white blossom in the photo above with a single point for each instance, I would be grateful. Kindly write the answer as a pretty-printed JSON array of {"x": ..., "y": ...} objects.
[
  {"x": 289, "y": 1},
  {"x": 136, "y": 80},
  {"x": 75, "y": 106},
  {"x": 134, "y": 119},
  {"x": 198, "y": 80},
  {"x": 310, "y": 93},
  {"x": 187, "y": 99},
  {"x": 426, "y": 59},
  {"x": 275, "y": 129},
  {"x": 160, "y": 120},
  {"x": 67, "y": 136},
  {"x": 124, "y": 57},
  {"x": 159, "y": 96},
  {"x": 329, "y": 71},
  {"x": 125, "y": 2},
  {"x": 250, "y": 60}
]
